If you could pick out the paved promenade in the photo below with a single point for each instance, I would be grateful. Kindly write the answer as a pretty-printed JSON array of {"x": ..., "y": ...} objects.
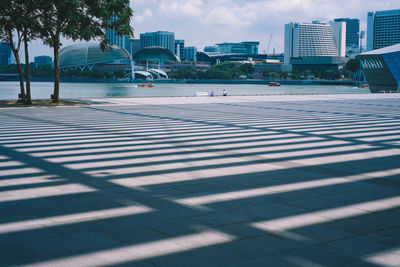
[{"x": 223, "y": 181}]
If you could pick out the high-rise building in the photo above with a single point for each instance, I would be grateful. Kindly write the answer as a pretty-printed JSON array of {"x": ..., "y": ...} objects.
[
  {"x": 190, "y": 53},
  {"x": 118, "y": 40},
  {"x": 5, "y": 54},
  {"x": 352, "y": 31},
  {"x": 134, "y": 47},
  {"x": 310, "y": 40},
  {"x": 383, "y": 29},
  {"x": 43, "y": 61},
  {"x": 161, "y": 38},
  {"x": 121, "y": 41},
  {"x": 178, "y": 49}
]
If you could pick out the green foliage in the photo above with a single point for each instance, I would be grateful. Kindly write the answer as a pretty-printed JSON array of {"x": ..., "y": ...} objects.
[
  {"x": 8, "y": 68},
  {"x": 41, "y": 71},
  {"x": 80, "y": 20},
  {"x": 83, "y": 19},
  {"x": 222, "y": 71},
  {"x": 352, "y": 65}
]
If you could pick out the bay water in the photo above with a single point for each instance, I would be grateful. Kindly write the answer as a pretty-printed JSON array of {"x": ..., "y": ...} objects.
[{"x": 73, "y": 90}]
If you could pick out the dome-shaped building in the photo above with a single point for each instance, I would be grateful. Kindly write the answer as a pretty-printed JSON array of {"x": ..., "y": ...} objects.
[{"x": 89, "y": 56}]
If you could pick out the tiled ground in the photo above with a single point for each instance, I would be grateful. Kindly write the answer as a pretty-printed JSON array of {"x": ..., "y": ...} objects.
[{"x": 270, "y": 181}]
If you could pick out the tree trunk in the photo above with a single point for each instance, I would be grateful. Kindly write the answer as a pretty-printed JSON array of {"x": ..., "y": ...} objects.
[
  {"x": 27, "y": 72},
  {"x": 21, "y": 77},
  {"x": 56, "y": 93}
]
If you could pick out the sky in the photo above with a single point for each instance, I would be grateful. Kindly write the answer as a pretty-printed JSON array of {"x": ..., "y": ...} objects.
[{"x": 207, "y": 22}]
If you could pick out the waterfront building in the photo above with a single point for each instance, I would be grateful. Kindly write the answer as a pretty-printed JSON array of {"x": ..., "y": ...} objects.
[
  {"x": 179, "y": 49},
  {"x": 279, "y": 56},
  {"x": 215, "y": 58},
  {"x": 161, "y": 39},
  {"x": 211, "y": 49},
  {"x": 352, "y": 31},
  {"x": 315, "y": 45},
  {"x": 383, "y": 29},
  {"x": 381, "y": 68},
  {"x": 190, "y": 53},
  {"x": 250, "y": 48},
  {"x": 5, "y": 54},
  {"x": 89, "y": 56},
  {"x": 149, "y": 56},
  {"x": 43, "y": 61}
]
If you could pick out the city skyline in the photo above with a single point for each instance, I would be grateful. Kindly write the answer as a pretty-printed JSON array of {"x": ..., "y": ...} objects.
[{"x": 204, "y": 22}]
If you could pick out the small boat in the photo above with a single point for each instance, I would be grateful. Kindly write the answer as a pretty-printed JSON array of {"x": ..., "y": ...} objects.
[
  {"x": 363, "y": 86},
  {"x": 274, "y": 84},
  {"x": 146, "y": 85}
]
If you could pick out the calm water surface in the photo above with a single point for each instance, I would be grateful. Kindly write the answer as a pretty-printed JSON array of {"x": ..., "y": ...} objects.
[{"x": 42, "y": 90}]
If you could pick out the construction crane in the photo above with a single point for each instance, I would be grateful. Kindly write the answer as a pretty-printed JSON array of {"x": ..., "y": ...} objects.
[{"x": 269, "y": 42}]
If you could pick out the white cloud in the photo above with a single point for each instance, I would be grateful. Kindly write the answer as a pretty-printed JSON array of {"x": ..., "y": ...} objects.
[
  {"x": 206, "y": 22},
  {"x": 147, "y": 14},
  {"x": 181, "y": 7}
]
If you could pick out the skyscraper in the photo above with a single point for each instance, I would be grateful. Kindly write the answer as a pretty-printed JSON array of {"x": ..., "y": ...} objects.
[
  {"x": 135, "y": 46},
  {"x": 352, "y": 31},
  {"x": 383, "y": 29},
  {"x": 305, "y": 40},
  {"x": 121, "y": 41},
  {"x": 179, "y": 49},
  {"x": 5, "y": 54},
  {"x": 161, "y": 38},
  {"x": 118, "y": 40}
]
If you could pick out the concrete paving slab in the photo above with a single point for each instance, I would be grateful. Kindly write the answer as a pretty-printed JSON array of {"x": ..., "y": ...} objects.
[{"x": 252, "y": 181}]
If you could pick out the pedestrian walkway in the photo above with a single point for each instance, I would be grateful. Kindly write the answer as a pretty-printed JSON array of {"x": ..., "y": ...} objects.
[{"x": 219, "y": 181}]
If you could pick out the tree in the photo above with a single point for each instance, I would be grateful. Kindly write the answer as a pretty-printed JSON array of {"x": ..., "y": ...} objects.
[
  {"x": 352, "y": 65},
  {"x": 10, "y": 23},
  {"x": 30, "y": 30},
  {"x": 247, "y": 68},
  {"x": 19, "y": 18},
  {"x": 81, "y": 20}
]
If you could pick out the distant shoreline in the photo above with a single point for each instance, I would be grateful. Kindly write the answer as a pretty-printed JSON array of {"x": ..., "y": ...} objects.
[{"x": 265, "y": 82}]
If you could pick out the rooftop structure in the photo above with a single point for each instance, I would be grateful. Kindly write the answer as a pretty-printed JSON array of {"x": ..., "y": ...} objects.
[
  {"x": 383, "y": 29},
  {"x": 215, "y": 58},
  {"x": 89, "y": 55},
  {"x": 155, "y": 53}
]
